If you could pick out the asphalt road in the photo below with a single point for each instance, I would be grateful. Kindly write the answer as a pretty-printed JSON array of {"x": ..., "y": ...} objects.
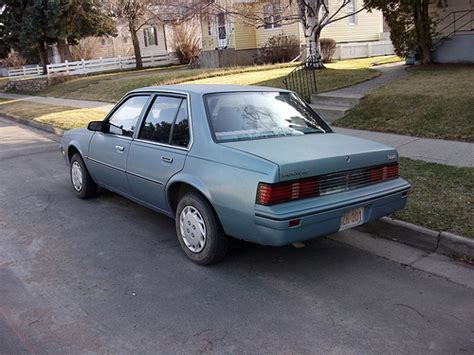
[{"x": 108, "y": 276}]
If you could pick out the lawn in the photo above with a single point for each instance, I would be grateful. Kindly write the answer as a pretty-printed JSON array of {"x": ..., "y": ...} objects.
[
  {"x": 433, "y": 101},
  {"x": 58, "y": 116},
  {"x": 110, "y": 87},
  {"x": 442, "y": 198}
]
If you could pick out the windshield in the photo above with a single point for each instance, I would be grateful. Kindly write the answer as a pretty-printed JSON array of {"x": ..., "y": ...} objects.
[{"x": 256, "y": 115}]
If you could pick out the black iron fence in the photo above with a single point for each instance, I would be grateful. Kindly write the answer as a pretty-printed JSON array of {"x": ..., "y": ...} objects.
[{"x": 302, "y": 80}]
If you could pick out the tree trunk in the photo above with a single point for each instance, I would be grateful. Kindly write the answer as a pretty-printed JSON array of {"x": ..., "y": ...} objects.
[
  {"x": 43, "y": 55},
  {"x": 423, "y": 33},
  {"x": 136, "y": 45},
  {"x": 313, "y": 48},
  {"x": 63, "y": 49}
]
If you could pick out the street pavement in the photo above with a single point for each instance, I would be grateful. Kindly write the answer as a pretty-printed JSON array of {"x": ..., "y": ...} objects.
[{"x": 108, "y": 276}]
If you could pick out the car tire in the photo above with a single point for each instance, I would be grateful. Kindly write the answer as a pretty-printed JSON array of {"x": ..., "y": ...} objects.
[
  {"x": 194, "y": 215},
  {"x": 82, "y": 183}
]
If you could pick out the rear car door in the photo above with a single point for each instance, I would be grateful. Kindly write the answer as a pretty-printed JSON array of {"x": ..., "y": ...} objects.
[
  {"x": 108, "y": 150},
  {"x": 159, "y": 150}
]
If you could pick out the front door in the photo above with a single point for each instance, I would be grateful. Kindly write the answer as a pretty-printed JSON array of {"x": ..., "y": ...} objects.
[
  {"x": 160, "y": 149},
  {"x": 108, "y": 150},
  {"x": 221, "y": 30}
]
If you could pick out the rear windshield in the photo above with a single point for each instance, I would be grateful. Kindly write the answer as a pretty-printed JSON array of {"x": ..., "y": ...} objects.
[{"x": 257, "y": 115}]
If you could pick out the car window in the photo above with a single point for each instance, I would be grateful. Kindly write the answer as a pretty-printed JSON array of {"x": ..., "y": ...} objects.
[
  {"x": 160, "y": 118},
  {"x": 258, "y": 115},
  {"x": 181, "y": 126},
  {"x": 124, "y": 120}
]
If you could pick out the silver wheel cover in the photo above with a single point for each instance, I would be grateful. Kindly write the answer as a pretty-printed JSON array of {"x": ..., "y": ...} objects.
[
  {"x": 193, "y": 229},
  {"x": 76, "y": 176}
]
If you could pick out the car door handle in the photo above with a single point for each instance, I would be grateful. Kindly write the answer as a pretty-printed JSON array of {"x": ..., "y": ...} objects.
[
  {"x": 120, "y": 148},
  {"x": 167, "y": 159}
]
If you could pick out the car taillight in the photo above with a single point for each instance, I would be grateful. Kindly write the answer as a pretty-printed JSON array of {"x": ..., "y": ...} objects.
[
  {"x": 381, "y": 173},
  {"x": 269, "y": 194}
]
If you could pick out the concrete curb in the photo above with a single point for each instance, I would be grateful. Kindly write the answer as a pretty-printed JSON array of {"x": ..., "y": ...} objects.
[
  {"x": 42, "y": 126},
  {"x": 439, "y": 242}
]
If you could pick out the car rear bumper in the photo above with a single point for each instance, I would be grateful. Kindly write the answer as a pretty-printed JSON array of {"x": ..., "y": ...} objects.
[{"x": 274, "y": 228}]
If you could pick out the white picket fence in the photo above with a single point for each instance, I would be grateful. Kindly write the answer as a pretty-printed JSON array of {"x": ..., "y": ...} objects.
[
  {"x": 91, "y": 66},
  {"x": 25, "y": 72},
  {"x": 363, "y": 50}
]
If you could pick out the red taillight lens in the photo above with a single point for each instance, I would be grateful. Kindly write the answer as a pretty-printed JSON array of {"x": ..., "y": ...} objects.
[
  {"x": 268, "y": 194},
  {"x": 384, "y": 172}
]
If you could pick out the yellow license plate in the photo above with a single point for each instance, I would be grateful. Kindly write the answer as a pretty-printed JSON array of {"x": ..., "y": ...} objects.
[{"x": 352, "y": 218}]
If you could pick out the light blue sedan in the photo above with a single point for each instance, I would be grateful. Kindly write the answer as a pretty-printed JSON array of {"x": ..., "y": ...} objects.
[{"x": 253, "y": 163}]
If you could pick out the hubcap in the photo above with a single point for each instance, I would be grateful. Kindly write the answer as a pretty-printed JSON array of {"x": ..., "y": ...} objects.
[
  {"x": 76, "y": 176},
  {"x": 193, "y": 229}
]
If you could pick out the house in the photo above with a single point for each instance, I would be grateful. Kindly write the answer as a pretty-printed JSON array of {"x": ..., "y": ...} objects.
[
  {"x": 152, "y": 38},
  {"x": 234, "y": 40},
  {"x": 454, "y": 25}
]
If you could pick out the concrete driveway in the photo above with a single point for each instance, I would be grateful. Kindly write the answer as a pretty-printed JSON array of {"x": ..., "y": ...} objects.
[{"x": 108, "y": 276}]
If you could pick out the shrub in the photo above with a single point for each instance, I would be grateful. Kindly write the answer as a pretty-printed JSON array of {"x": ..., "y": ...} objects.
[
  {"x": 328, "y": 48},
  {"x": 185, "y": 42},
  {"x": 279, "y": 49},
  {"x": 86, "y": 49},
  {"x": 13, "y": 60}
]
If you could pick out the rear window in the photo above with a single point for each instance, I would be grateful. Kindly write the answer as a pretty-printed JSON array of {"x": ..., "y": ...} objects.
[{"x": 257, "y": 115}]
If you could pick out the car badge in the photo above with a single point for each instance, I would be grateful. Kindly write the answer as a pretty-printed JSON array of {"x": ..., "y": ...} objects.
[
  {"x": 348, "y": 159},
  {"x": 391, "y": 156}
]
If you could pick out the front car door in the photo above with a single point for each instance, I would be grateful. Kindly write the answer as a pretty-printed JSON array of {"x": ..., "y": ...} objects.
[
  {"x": 108, "y": 150},
  {"x": 159, "y": 150}
]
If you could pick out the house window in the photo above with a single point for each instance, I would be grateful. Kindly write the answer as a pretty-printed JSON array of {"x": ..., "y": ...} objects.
[
  {"x": 351, "y": 8},
  {"x": 209, "y": 25},
  {"x": 150, "y": 36},
  {"x": 221, "y": 26},
  {"x": 272, "y": 16}
]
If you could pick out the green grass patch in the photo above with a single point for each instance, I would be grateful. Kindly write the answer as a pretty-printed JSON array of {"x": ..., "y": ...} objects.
[
  {"x": 110, "y": 87},
  {"x": 58, "y": 116},
  {"x": 442, "y": 197},
  {"x": 434, "y": 101}
]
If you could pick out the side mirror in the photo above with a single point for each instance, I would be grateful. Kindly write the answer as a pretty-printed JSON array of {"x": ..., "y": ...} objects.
[{"x": 96, "y": 126}]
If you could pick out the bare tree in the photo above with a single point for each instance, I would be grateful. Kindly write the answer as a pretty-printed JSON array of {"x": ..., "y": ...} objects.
[
  {"x": 314, "y": 15},
  {"x": 136, "y": 14}
]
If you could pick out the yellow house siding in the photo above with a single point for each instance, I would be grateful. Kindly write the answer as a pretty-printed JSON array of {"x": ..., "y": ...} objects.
[
  {"x": 368, "y": 25},
  {"x": 244, "y": 35},
  {"x": 263, "y": 34}
]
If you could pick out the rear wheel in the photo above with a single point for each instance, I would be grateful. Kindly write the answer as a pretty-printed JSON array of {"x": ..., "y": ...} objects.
[
  {"x": 82, "y": 182},
  {"x": 199, "y": 232}
]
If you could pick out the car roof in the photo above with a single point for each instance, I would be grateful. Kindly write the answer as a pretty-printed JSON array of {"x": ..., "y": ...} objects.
[{"x": 202, "y": 89}]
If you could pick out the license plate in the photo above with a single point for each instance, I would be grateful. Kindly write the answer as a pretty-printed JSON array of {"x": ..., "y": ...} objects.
[{"x": 352, "y": 218}]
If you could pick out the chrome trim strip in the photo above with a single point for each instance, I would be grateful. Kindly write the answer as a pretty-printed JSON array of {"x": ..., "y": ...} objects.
[
  {"x": 105, "y": 164},
  {"x": 161, "y": 144},
  {"x": 145, "y": 178}
]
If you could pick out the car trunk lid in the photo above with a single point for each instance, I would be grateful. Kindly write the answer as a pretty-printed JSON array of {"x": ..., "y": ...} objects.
[{"x": 317, "y": 154}]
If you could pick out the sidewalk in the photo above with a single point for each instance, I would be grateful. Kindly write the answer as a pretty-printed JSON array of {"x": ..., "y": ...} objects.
[
  {"x": 431, "y": 150},
  {"x": 389, "y": 72}
]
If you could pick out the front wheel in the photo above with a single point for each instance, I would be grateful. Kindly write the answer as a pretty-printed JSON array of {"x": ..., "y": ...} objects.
[
  {"x": 82, "y": 182},
  {"x": 199, "y": 232}
]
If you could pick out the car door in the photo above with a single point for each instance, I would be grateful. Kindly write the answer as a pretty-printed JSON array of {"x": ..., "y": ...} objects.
[
  {"x": 108, "y": 150},
  {"x": 159, "y": 150}
]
